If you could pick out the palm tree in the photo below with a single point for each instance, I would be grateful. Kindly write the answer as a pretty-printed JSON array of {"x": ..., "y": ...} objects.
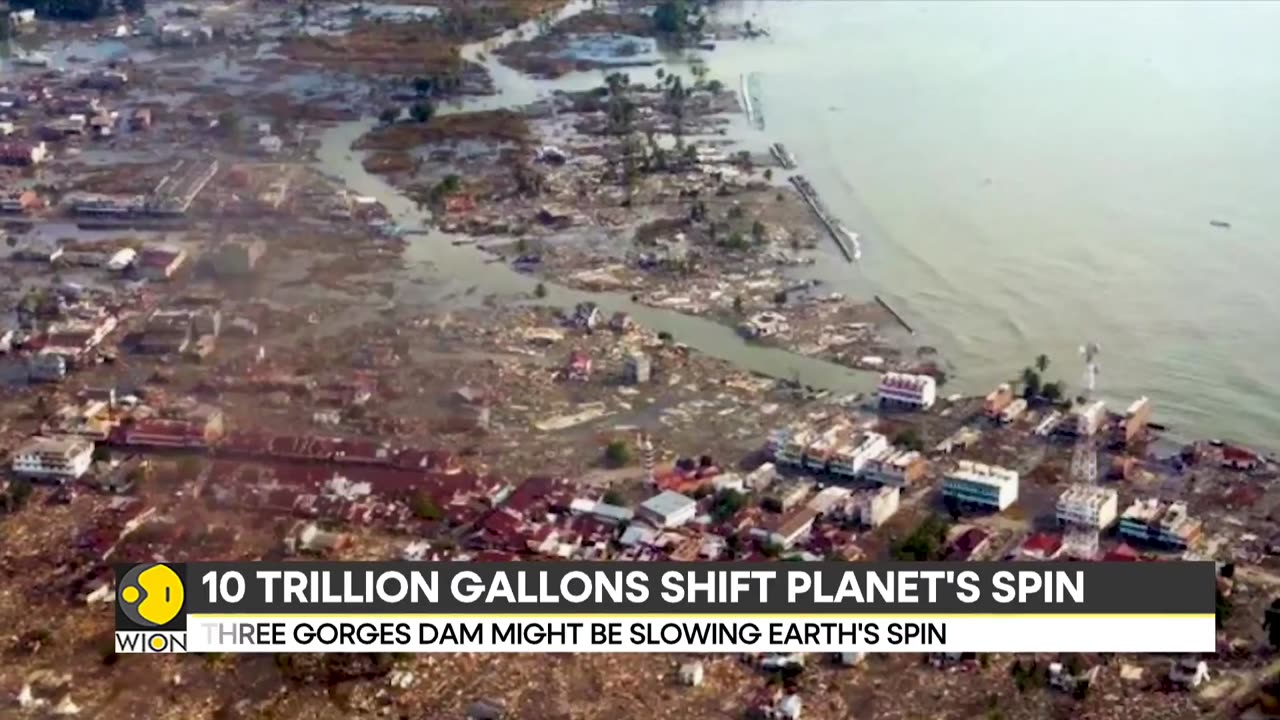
[
  {"x": 617, "y": 82},
  {"x": 1042, "y": 363},
  {"x": 1030, "y": 382},
  {"x": 700, "y": 72}
]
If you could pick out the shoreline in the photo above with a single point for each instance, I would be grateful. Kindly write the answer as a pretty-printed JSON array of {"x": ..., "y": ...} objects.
[
  {"x": 707, "y": 131},
  {"x": 485, "y": 53}
]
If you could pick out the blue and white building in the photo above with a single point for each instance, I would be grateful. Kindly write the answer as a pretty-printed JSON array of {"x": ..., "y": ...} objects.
[{"x": 986, "y": 486}]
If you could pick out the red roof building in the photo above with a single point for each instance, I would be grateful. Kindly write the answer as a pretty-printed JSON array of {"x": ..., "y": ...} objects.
[
  {"x": 967, "y": 544},
  {"x": 1122, "y": 553},
  {"x": 1040, "y": 546},
  {"x": 158, "y": 432},
  {"x": 579, "y": 366},
  {"x": 1238, "y": 458}
]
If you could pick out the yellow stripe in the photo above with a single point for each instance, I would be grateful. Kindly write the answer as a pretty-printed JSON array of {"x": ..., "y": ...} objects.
[{"x": 710, "y": 616}]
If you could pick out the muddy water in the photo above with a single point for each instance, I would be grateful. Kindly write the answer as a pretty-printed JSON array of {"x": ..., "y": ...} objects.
[
  {"x": 462, "y": 274},
  {"x": 458, "y": 273}
]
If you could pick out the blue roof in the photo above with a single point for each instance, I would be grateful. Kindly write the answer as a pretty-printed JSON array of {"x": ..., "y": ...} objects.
[{"x": 667, "y": 503}]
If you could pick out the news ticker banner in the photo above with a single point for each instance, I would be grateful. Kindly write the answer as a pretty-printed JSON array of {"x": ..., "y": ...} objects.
[{"x": 1166, "y": 607}]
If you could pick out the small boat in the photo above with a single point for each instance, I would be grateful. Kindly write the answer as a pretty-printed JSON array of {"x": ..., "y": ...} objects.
[{"x": 1220, "y": 224}]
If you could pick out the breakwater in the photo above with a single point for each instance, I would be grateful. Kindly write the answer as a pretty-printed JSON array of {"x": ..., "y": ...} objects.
[
  {"x": 749, "y": 106},
  {"x": 895, "y": 315},
  {"x": 837, "y": 232},
  {"x": 783, "y": 156}
]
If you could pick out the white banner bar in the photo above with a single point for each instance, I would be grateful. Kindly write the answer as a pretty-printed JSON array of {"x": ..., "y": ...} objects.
[{"x": 1013, "y": 633}]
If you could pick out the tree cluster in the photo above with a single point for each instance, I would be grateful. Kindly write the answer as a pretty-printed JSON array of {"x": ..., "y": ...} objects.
[
  {"x": 1033, "y": 385},
  {"x": 15, "y": 497},
  {"x": 618, "y": 453},
  {"x": 727, "y": 504},
  {"x": 424, "y": 507},
  {"x": 78, "y": 9},
  {"x": 924, "y": 543},
  {"x": 679, "y": 21}
]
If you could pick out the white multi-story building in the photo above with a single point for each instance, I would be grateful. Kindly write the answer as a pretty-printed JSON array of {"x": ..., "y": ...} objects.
[
  {"x": 828, "y": 498},
  {"x": 1084, "y": 420},
  {"x": 1013, "y": 411},
  {"x": 878, "y": 505},
  {"x": 895, "y": 467},
  {"x": 793, "y": 449},
  {"x": 1089, "y": 506},
  {"x": 59, "y": 460},
  {"x": 986, "y": 486},
  {"x": 668, "y": 509},
  {"x": 906, "y": 390},
  {"x": 1171, "y": 525},
  {"x": 824, "y": 449},
  {"x": 849, "y": 460}
]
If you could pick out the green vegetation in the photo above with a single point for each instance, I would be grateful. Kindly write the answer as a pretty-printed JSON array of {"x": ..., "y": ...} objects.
[
  {"x": 759, "y": 232},
  {"x": 450, "y": 185},
  {"x": 679, "y": 22},
  {"x": 540, "y": 291},
  {"x": 422, "y": 112},
  {"x": 389, "y": 115},
  {"x": 1034, "y": 386},
  {"x": 424, "y": 507},
  {"x": 228, "y": 124},
  {"x": 16, "y": 497},
  {"x": 1271, "y": 623},
  {"x": 613, "y": 497},
  {"x": 727, "y": 504},
  {"x": 73, "y": 9},
  {"x": 924, "y": 543},
  {"x": 735, "y": 241},
  {"x": 1026, "y": 677},
  {"x": 700, "y": 72},
  {"x": 618, "y": 453},
  {"x": 1030, "y": 383},
  {"x": 1222, "y": 609},
  {"x": 423, "y": 85},
  {"x": 909, "y": 439},
  {"x": 621, "y": 111}
]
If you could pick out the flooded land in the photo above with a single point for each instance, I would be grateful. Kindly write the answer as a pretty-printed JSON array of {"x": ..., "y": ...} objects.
[{"x": 471, "y": 280}]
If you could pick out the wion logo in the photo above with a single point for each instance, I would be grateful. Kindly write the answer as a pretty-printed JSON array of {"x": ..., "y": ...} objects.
[{"x": 149, "y": 609}]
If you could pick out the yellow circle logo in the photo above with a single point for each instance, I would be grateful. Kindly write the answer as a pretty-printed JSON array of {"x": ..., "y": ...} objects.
[{"x": 151, "y": 595}]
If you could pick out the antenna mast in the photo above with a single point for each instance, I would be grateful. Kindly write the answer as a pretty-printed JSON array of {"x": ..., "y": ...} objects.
[{"x": 1081, "y": 541}]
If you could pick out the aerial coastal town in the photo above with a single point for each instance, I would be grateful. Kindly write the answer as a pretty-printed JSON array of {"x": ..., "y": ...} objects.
[{"x": 480, "y": 280}]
